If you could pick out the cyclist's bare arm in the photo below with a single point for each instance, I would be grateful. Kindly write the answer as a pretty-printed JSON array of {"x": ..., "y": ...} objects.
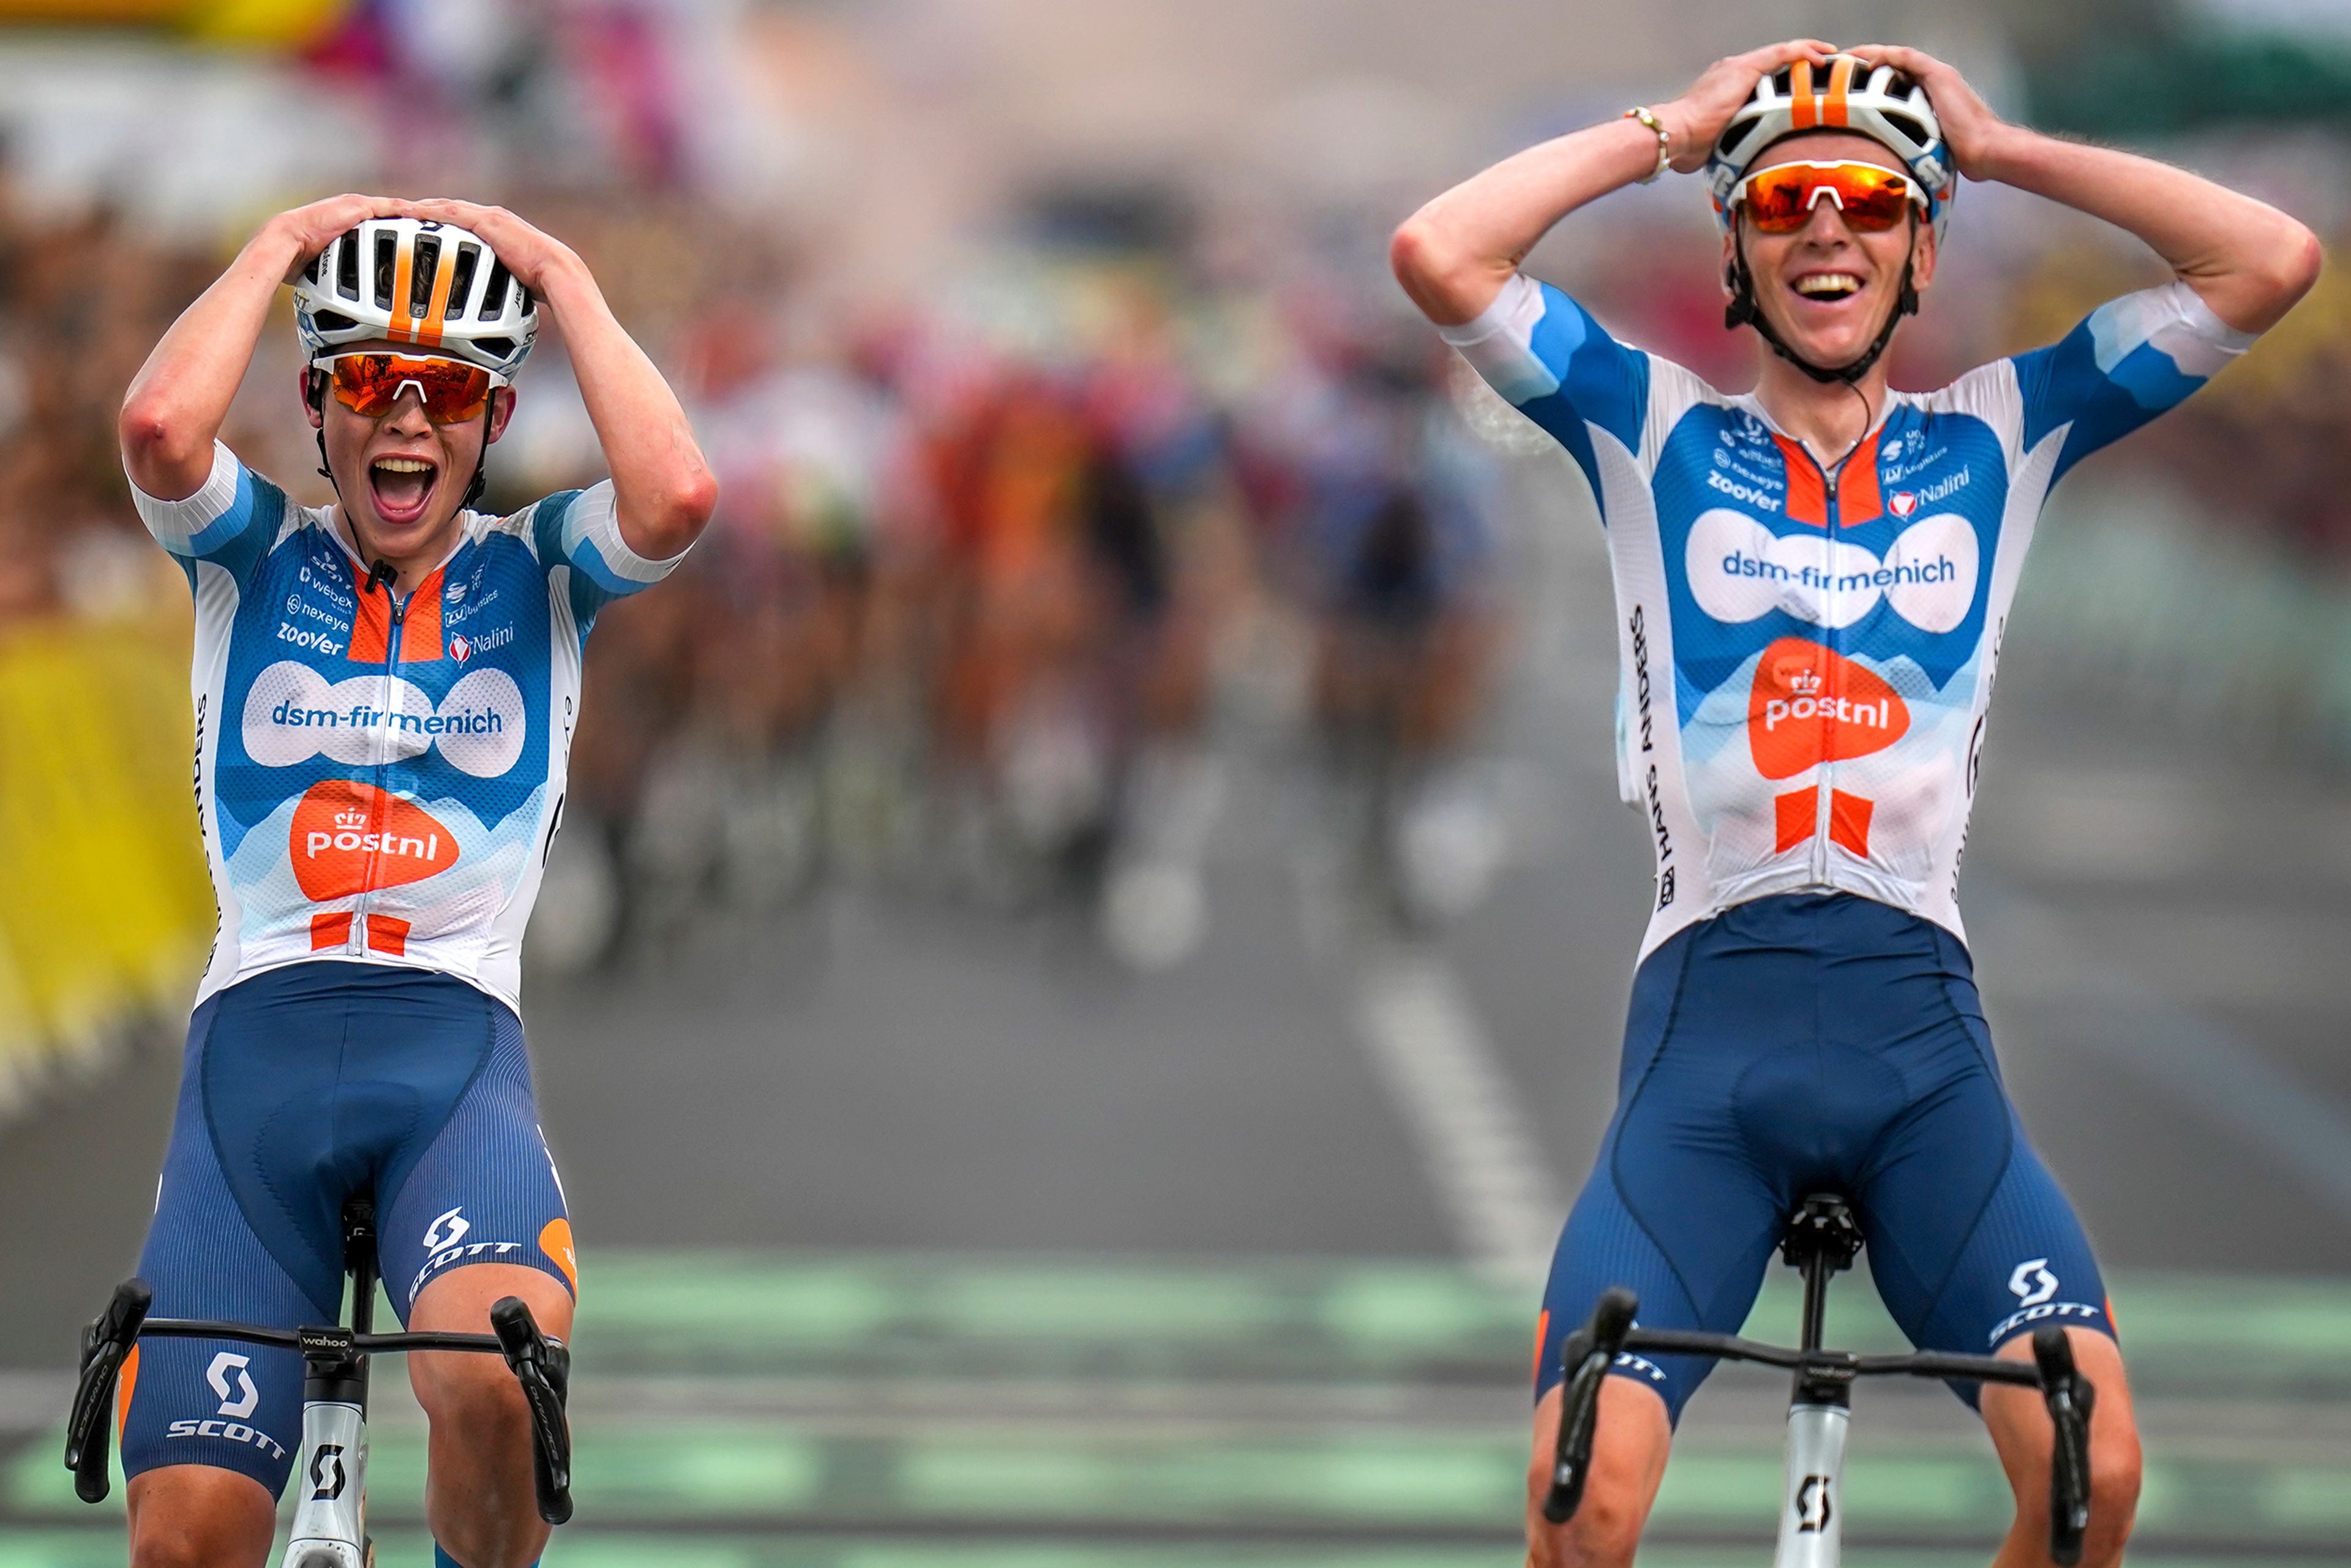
[
  {"x": 177, "y": 402},
  {"x": 1454, "y": 254},
  {"x": 2245, "y": 259},
  {"x": 662, "y": 490}
]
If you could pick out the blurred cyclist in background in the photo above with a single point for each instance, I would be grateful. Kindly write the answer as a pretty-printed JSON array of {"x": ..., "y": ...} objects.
[
  {"x": 1812, "y": 582},
  {"x": 1396, "y": 522},
  {"x": 385, "y": 692}
]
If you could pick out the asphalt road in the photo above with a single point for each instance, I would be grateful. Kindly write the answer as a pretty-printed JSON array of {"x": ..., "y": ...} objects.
[{"x": 1185, "y": 1192}]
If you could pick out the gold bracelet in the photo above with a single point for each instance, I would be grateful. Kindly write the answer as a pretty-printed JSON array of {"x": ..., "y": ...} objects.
[{"x": 1664, "y": 141}]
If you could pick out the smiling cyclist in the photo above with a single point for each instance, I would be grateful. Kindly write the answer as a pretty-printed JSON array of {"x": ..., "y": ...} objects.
[
  {"x": 385, "y": 691},
  {"x": 1811, "y": 582}
]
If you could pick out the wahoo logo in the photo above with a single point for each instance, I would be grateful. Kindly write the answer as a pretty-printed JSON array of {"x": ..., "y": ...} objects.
[
  {"x": 1740, "y": 571},
  {"x": 350, "y": 838},
  {"x": 292, "y": 713},
  {"x": 1811, "y": 704}
]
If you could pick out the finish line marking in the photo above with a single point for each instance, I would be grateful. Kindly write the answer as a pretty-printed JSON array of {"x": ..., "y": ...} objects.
[{"x": 1477, "y": 1141}]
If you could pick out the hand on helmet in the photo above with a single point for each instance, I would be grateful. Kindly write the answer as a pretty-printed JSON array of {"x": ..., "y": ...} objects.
[
  {"x": 530, "y": 254},
  {"x": 1969, "y": 127},
  {"x": 1695, "y": 119},
  {"x": 312, "y": 228}
]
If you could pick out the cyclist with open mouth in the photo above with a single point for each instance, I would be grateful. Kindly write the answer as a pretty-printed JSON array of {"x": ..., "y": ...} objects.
[
  {"x": 1811, "y": 581},
  {"x": 385, "y": 691}
]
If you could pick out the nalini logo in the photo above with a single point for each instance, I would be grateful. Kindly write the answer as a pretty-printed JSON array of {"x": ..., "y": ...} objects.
[
  {"x": 292, "y": 713},
  {"x": 350, "y": 838},
  {"x": 462, "y": 648}
]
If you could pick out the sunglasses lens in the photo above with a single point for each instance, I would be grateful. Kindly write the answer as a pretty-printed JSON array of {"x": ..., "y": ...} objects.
[
  {"x": 1781, "y": 201},
  {"x": 370, "y": 384},
  {"x": 1778, "y": 200}
]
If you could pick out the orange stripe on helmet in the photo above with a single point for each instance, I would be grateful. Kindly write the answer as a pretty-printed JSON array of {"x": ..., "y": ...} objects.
[
  {"x": 1803, "y": 108},
  {"x": 443, "y": 275},
  {"x": 403, "y": 323},
  {"x": 1840, "y": 81}
]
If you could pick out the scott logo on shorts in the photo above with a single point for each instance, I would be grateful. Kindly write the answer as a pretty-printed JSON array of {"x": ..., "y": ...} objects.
[
  {"x": 2034, "y": 1286},
  {"x": 237, "y": 1402},
  {"x": 444, "y": 1239}
]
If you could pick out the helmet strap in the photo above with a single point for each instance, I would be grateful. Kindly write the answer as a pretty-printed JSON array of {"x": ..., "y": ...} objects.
[{"x": 1744, "y": 311}]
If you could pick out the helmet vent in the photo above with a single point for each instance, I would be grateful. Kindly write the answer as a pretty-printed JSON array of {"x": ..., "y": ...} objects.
[
  {"x": 422, "y": 274},
  {"x": 387, "y": 252},
  {"x": 494, "y": 297},
  {"x": 500, "y": 348},
  {"x": 1906, "y": 125},
  {"x": 311, "y": 271},
  {"x": 461, "y": 287},
  {"x": 1734, "y": 136},
  {"x": 347, "y": 267},
  {"x": 332, "y": 322}
]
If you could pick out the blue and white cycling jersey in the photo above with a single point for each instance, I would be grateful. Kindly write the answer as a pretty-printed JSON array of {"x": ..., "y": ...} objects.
[
  {"x": 378, "y": 780},
  {"x": 1806, "y": 658}
]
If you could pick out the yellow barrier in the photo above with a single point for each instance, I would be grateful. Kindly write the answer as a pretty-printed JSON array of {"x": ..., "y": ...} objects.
[{"x": 105, "y": 908}]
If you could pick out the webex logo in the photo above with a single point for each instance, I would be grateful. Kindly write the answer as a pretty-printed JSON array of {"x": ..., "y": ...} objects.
[{"x": 292, "y": 713}]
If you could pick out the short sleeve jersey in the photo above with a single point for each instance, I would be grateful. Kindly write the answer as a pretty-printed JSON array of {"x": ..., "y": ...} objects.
[
  {"x": 1807, "y": 656},
  {"x": 377, "y": 778}
]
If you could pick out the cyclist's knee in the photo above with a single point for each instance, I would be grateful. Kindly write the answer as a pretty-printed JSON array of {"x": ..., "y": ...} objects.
[
  {"x": 470, "y": 1394},
  {"x": 1628, "y": 1460},
  {"x": 192, "y": 1516}
]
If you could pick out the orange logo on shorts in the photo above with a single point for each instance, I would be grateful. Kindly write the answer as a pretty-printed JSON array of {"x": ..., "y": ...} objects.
[
  {"x": 350, "y": 838},
  {"x": 1812, "y": 705},
  {"x": 555, "y": 1241}
]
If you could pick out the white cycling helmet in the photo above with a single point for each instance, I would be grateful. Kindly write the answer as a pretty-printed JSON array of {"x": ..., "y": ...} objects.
[
  {"x": 433, "y": 284},
  {"x": 1876, "y": 101}
]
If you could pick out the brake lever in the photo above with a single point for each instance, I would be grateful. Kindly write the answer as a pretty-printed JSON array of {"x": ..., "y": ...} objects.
[
  {"x": 106, "y": 1343},
  {"x": 1590, "y": 1351},
  {"x": 544, "y": 1369},
  {"x": 2070, "y": 1397}
]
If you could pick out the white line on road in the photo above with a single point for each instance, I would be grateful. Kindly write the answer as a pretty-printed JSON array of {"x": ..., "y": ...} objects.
[{"x": 1476, "y": 1139}]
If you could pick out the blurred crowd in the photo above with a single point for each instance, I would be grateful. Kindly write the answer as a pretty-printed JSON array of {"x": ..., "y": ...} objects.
[{"x": 1000, "y": 571}]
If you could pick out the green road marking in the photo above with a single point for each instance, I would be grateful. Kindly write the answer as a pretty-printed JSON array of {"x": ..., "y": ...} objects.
[
  {"x": 575, "y": 1547},
  {"x": 768, "y": 1472},
  {"x": 916, "y": 1314},
  {"x": 1377, "y": 1331}
]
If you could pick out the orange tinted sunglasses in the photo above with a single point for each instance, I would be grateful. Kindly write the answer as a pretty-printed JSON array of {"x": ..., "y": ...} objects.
[
  {"x": 369, "y": 384},
  {"x": 1779, "y": 199}
]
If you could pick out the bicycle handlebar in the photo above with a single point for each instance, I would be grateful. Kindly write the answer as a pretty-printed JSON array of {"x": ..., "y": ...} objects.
[
  {"x": 543, "y": 1367},
  {"x": 1593, "y": 1349},
  {"x": 540, "y": 1364}
]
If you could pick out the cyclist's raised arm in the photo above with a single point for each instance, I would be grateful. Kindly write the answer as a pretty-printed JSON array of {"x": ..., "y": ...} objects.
[
  {"x": 1454, "y": 254},
  {"x": 173, "y": 410},
  {"x": 662, "y": 489},
  {"x": 2247, "y": 261}
]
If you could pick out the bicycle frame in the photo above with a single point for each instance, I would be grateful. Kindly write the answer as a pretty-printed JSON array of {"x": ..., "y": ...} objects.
[
  {"x": 329, "y": 1529},
  {"x": 1822, "y": 1240}
]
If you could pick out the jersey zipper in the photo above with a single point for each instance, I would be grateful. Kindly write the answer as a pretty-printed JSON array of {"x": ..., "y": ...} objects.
[
  {"x": 387, "y": 736},
  {"x": 1830, "y": 484}
]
